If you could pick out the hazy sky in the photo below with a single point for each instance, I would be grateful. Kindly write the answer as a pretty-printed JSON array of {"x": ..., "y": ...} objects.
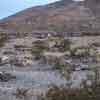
[{"x": 9, "y": 7}]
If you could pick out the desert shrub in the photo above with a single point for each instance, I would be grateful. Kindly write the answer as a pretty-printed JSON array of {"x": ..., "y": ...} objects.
[
  {"x": 62, "y": 44},
  {"x": 59, "y": 93},
  {"x": 66, "y": 44},
  {"x": 3, "y": 40},
  {"x": 86, "y": 92},
  {"x": 38, "y": 48},
  {"x": 80, "y": 52},
  {"x": 96, "y": 44},
  {"x": 21, "y": 93},
  {"x": 58, "y": 65}
]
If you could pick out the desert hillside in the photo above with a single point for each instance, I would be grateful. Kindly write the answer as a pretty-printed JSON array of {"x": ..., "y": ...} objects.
[{"x": 65, "y": 16}]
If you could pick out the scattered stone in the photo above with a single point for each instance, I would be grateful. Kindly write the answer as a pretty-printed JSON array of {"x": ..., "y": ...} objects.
[{"x": 5, "y": 77}]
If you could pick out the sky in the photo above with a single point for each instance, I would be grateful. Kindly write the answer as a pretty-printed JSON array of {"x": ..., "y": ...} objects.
[{"x": 9, "y": 7}]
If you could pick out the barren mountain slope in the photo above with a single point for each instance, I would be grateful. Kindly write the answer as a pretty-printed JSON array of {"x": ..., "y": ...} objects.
[{"x": 62, "y": 16}]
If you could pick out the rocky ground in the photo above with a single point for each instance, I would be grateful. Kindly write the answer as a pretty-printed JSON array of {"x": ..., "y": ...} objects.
[{"x": 35, "y": 64}]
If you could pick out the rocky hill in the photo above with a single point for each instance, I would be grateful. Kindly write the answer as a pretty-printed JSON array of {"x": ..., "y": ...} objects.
[{"x": 65, "y": 16}]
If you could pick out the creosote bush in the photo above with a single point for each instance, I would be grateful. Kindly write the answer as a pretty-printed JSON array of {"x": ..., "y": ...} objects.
[
  {"x": 38, "y": 48},
  {"x": 3, "y": 40},
  {"x": 66, "y": 44},
  {"x": 21, "y": 93},
  {"x": 56, "y": 93},
  {"x": 80, "y": 52}
]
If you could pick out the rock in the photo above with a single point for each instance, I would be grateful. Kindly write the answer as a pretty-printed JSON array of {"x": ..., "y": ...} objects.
[{"x": 4, "y": 76}]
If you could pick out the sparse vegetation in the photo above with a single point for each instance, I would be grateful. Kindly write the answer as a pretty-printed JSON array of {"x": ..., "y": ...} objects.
[
  {"x": 38, "y": 48},
  {"x": 80, "y": 52},
  {"x": 89, "y": 93},
  {"x": 21, "y": 93},
  {"x": 57, "y": 44},
  {"x": 3, "y": 40},
  {"x": 66, "y": 44},
  {"x": 58, "y": 66}
]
